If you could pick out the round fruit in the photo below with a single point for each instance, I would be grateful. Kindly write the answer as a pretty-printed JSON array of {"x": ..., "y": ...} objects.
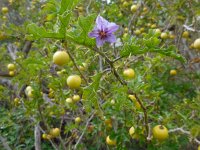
[
  {"x": 131, "y": 131},
  {"x": 142, "y": 29},
  {"x": 55, "y": 132},
  {"x": 125, "y": 35},
  {"x": 28, "y": 88},
  {"x": 129, "y": 73},
  {"x": 10, "y": 1},
  {"x": 153, "y": 26},
  {"x": 126, "y": 29},
  {"x": 11, "y": 67},
  {"x": 112, "y": 102},
  {"x": 4, "y": 10},
  {"x": 137, "y": 32},
  {"x": 28, "y": 91},
  {"x": 134, "y": 8},
  {"x": 76, "y": 98},
  {"x": 164, "y": 35},
  {"x": 59, "y": 73},
  {"x": 11, "y": 73},
  {"x": 74, "y": 81},
  {"x": 110, "y": 142},
  {"x": 44, "y": 136},
  {"x": 145, "y": 9},
  {"x": 160, "y": 132},
  {"x": 16, "y": 101},
  {"x": 185, "y": 34},
  {"x": 4, "y": 18},
  {"x": 60, "y": 58},
  {"x": 77, "y": 120},
  {"x": 125, "y": 4},
  {"x": 30, "y": 94},
  {"x": 69, "y": 100},
  {"x": 83, "y": 67},
  {"x": 173, "y": 72},
  {"x": 157, "y": 31},
  {"x": 197, "y": 43}
]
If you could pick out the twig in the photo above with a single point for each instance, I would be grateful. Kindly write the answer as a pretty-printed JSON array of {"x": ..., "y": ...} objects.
[
  {"x": 124, "y": 83},
  {"x": 5, "y": 74},
  {"x": 87, "y": 123},
  {"x": 71, "y": 57},
  {"x": 60, "y": 138},
  {"x": 54, "y": 146},
  {"x": 12, "y": 50},
  {"x": 37, "y": 137},
  {"x": 137, "y": 13},
  {"x": 149, "y": 137},
  {"x": 111, "y": 65},
  {"x": 100, "y": 64},
  {"x": 27, "y": 48},
  {"x": 145, "y": 114},
  {"x": 88, "y": 6},
  {"x": 118, "y": 58},
  {"x": 184, "y": 132}
]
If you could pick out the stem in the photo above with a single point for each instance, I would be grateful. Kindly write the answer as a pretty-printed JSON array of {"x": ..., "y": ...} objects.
[
  {"x": 53, "y": 145},
  {"x": 111, "y": 65},
  {"x": 71, "y": 57},
  {"x": 145, "y": 114},
  {"x": 87, "y": 123},
  {"x": 37, "y": 137},
  {"x": 184, "y": 132},
  {"x": 124, "y": 83},
  {"x": 60, "y": 138}
]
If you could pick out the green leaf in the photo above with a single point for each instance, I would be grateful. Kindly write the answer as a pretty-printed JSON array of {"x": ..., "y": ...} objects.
[
  {"x": 195, "y": 131},
  {"x": 149, "y": 44},
  {"x": 40, "y": 32},
  {"x": 129, "y": 49},
  {"x": 90, "y": 92},
  {"x": 67, "y": 5},
  {"x": 50, "y": 6},
  {"x": 86, "y": 22},
  {"x": 64, "y": 21},
  {"x": 80, "y": 35}
]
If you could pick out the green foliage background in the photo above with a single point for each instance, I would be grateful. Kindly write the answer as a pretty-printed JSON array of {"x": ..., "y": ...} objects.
[{"x": 55, "y": 25}]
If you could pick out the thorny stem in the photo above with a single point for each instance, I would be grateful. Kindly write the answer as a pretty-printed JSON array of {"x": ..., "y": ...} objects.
[
  {"x": 87, "y": 8},
  {"x": 71, "y": 57},
  {"x": 87, "y": 123},
  {"x": 184, "y": 132},
  {"x": 145, "y": 114},
  {"x": 111, "y": 65},
  {"x": 124, "y": 83}
]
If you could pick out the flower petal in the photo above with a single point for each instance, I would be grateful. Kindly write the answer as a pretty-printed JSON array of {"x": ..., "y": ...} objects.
[
  {"x": 94, "y": 33},
  {"x": 101, "y": 23},
  {"x": 112, "y": 27},
  {"x": 99, "y": 41},
  {"x": 110, "y": 38}
]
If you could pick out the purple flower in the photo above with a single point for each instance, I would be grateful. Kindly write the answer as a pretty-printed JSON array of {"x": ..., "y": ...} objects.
[{"x": 103, "y": 31}]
